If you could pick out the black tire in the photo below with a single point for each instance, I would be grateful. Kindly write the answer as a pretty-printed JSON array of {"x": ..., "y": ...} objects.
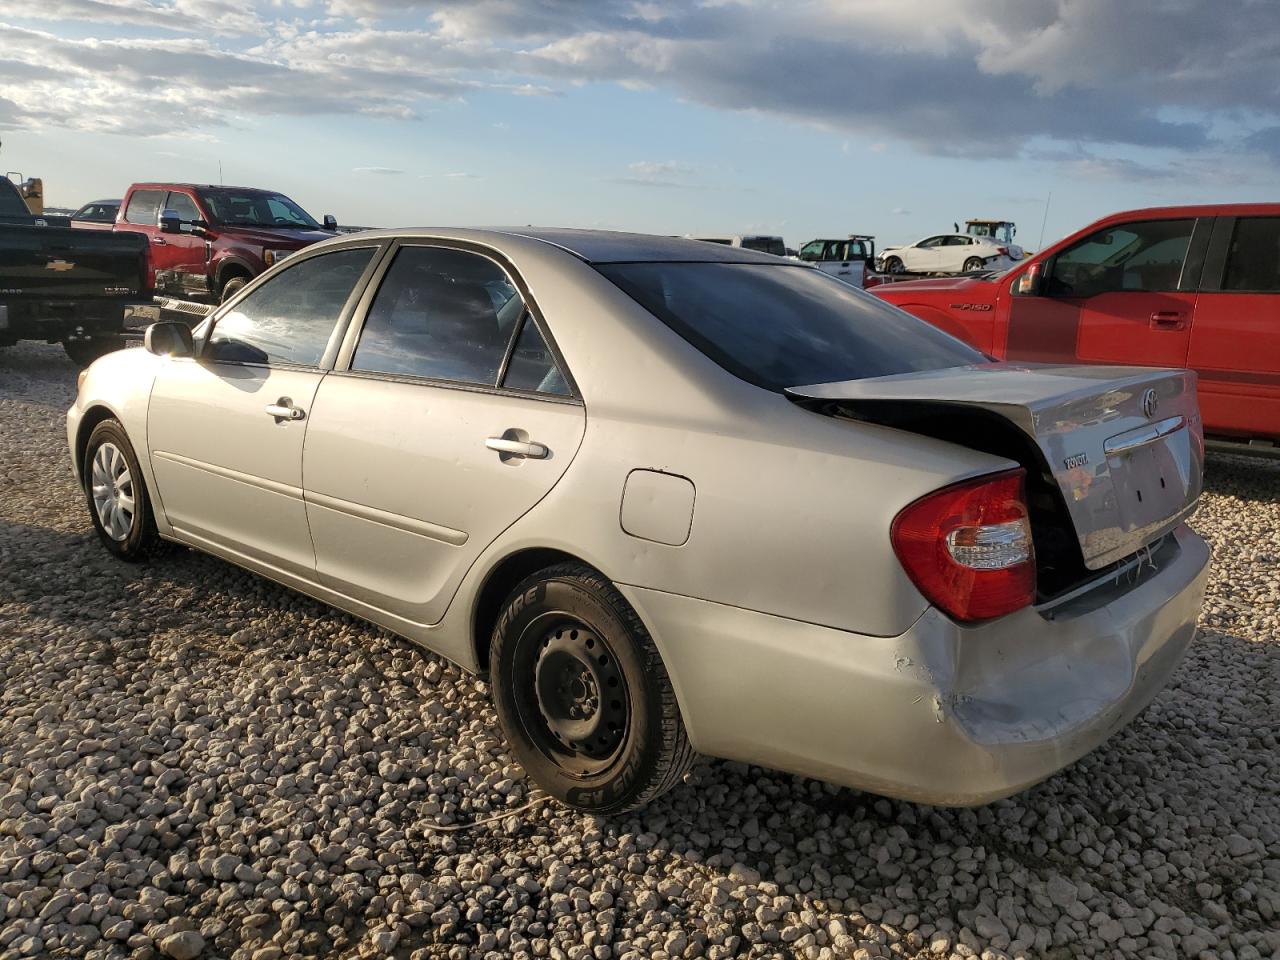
[
  {"x": 973, "y": 263},
  {"x": 633, "y": 745},
  {"x": 84, "y": 351},
  {"x": 232, "y": 287},
  {"x": 893, "y": 265},
  {"x": 142, "y": 541}
]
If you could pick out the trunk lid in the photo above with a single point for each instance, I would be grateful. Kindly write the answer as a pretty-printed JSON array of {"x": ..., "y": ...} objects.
[{"x": 1124, "y": 445}]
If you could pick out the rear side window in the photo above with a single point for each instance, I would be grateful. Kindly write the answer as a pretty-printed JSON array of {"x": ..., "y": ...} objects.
[
  {"x": 783, "y": 326},
  {"x": 532, "y": 365},
  {"x": 442, "y": 314},
  {"x": 11, "y": 202},
  {"x": 144, "y": 207},
  {"x": 290, "y": 317},
  {"x": 1253, "y": 260},
  {"x": 1136, "y": 257}
]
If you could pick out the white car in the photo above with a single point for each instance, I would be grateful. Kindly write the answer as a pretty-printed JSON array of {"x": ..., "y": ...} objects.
[
  {"x": 671, "y": 498},
  {"x": 849, "y": 258},
  {"x": 946, "y": 253}
]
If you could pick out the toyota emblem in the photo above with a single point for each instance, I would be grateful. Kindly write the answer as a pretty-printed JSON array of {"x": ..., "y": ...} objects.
[{"x": 1150, "y": 403}]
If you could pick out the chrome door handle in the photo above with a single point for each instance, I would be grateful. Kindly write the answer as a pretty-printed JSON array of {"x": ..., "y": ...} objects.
[
  {"x": 159, "y": 240},
  {"x": 283, "y": 409},
  {"x": 517, "y": 448}
]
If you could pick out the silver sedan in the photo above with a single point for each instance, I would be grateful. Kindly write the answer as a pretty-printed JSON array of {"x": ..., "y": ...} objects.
[{"x": 673, "y": 497}]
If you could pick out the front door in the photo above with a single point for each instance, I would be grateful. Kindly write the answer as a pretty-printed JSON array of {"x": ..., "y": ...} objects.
[
  {"x": 1117, "y": 296},
  {"x": 433, "y": 442},
  {"x": 1235, "y": 342},
  {"x": 226, "y": 429}
]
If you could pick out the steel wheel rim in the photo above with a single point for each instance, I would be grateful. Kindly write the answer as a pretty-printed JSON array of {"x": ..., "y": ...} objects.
[
  {"x": 575, "y": 699},
  {"x": 111, "y": 487}
]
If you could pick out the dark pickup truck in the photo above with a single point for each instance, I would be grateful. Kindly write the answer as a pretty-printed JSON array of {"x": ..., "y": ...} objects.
[{"x": 63, "y": 285}]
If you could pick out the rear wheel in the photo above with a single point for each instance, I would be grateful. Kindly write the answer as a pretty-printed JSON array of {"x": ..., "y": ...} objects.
[
  {"x": 119, "y": 504},
  {"x": 583, "y": 695},
  {"x": 84, "y": 350},
  {"x": 892, "y": 265},
  {"x": 973, "y": 263}
]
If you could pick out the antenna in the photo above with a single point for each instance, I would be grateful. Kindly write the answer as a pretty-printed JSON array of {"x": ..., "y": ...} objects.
[
  {"x": 1040, "y": 245},
  {"x": 220, "y": 180}
]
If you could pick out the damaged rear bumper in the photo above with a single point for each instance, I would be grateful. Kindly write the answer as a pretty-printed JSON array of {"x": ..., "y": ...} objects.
[{"x": 942, "y": 714}]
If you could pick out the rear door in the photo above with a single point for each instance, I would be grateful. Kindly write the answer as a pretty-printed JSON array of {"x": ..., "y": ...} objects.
[
  {"x": 1124, "y": 294},
  {"x": 447, "y": 419},
  {"x": 225, "y": 429},
  {"x": 1235, "y": 341},
  {"x": 141, "y": 215},
  {"x": 181, "y": 259}
]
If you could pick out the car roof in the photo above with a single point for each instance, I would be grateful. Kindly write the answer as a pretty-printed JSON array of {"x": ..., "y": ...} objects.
[
  {"x": 596, "y": 246},
  {"x": 1196, "y": 210},
  {"x": 170, "y": 184}
]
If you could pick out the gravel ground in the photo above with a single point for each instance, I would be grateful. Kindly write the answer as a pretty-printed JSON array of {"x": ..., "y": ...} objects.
[{"x": 196, "y": 762}]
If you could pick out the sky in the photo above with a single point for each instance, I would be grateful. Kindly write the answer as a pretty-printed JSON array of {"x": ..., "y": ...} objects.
[{"x": 804, "y": 118}]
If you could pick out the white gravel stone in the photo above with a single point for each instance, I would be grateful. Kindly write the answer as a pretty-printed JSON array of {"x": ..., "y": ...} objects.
[{"x": 195, "y": 762}]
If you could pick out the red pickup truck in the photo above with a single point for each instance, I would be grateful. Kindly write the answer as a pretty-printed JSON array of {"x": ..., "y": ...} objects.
[
  {"x": 1195, "y": 287},
  {"x": 206, "y": 241}
]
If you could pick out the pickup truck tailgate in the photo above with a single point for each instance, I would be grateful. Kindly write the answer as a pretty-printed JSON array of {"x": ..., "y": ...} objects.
[
  {"x": 1125, "y": 445},
  {"x": 59, "y": 263}
]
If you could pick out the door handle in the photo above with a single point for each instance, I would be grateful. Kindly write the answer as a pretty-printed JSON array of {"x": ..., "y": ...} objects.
[
  {"x": 160, "y": 240},
  {"x": 1168, "y": 319},
  {"x": 517, "y": 448},
  {"x": 283, "y": 409}
]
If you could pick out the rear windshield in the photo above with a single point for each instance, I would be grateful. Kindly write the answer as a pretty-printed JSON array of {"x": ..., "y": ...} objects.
[
  {"x": 782, "y": 326},
  {"x": 765, "y": 245},
  {"x": 11, "y": 202}
]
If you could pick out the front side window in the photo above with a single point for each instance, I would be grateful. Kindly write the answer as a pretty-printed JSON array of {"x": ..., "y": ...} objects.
[
  {"x": 233, "y": 207},
  {"x": 1253, "y": 260},
  {"x": 813, "y": 250},
  {"x": 144, "y": 207},
  {"x": 1135, "y": 257},
  {"x": 442, "y": 314},
  {"x": 932, "y": 242},
  {"x": 183, "y": 206},
  {"x": 786, "y": 326},
  {"x": 289, "y": 318}
]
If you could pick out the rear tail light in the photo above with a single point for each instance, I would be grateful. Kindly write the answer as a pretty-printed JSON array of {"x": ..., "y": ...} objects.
[{"x": 968, "y": 547}]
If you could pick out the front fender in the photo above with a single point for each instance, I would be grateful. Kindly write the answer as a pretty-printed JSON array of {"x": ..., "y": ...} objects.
[{"x": 118, "y": 386}]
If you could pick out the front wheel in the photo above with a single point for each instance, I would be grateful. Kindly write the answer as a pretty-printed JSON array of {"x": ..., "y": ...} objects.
[
  {"x": 893, "y": 265},
  {"x": 119, "y": 504},
  {"x": 232, "y": 287},
  {"x": 84, "y": 350},
  {"x": 583, "y": 695},
  {"x": 973, "y": 263}
]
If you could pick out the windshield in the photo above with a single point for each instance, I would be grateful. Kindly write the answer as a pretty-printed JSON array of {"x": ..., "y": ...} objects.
[
  {"x": 230, "y": 207},
  {"x": 786, "y": 326},
  {"x": 772, "y": 245}
]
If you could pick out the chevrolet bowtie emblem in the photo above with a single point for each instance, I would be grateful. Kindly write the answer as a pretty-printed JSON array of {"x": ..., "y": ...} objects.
[{"x": 62, "y": 266}]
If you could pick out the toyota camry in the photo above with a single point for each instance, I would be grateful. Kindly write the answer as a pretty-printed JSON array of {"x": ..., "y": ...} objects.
[{"x": 675, "y": 498}]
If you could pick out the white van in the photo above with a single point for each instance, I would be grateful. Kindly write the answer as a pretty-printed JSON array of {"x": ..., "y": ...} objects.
[
  {"x": 849, "y": 259},
  {"x": 748, "y": 241}
]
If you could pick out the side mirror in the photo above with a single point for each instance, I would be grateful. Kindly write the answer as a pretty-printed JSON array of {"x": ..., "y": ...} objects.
[
  {"x": 1028, "y": 283},
  {"x": 169, "y": 338},
  {"x": 170, "y": 222},
  {"x": 330, "y": 222}
]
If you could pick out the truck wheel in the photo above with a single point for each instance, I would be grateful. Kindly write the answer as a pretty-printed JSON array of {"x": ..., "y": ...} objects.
[
  {"x": 893, "y": 265},
  {"x": 583, "y": 695},
  {"x": 973, "y": 263},
  {"x": 232, "y": 287},
  {"x": 119, "y": 504},
  {"x": 86, "y": 350}
]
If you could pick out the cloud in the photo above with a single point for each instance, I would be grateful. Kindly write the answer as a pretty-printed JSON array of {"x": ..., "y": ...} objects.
[
  {"x": 900, "y": 212},
  {"x": 1001, "y": 78},
  {"x": 657, "y": 173},
  {"x": 380, "y": 171}
]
